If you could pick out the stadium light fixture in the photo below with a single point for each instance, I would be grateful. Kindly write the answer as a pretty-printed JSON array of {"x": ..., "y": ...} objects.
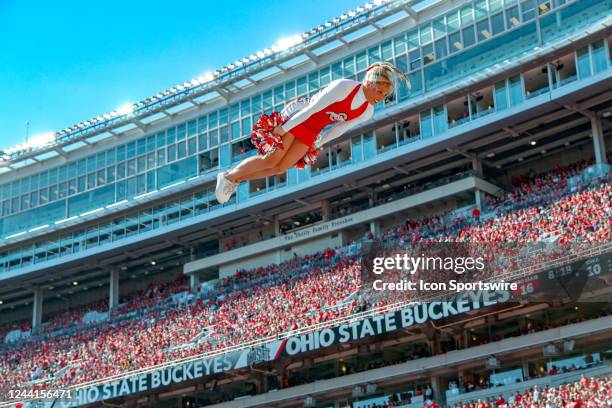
[
  {"x": 75, "y": 283},
  {"x": 533, "y": 143},
  {"x": 153, "y": 263},
  {"x": 125, "y": 109},
  {"x": 1, "y": 302}
]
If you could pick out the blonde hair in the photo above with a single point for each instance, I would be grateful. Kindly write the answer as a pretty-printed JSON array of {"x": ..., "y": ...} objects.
[{"x": 386, "y": 72}]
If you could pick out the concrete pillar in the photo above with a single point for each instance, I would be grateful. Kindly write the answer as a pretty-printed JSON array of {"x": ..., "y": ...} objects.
[
  {"x": 37, "y": 309},
  {"x": 375, "y": 228},
  {"x": 479, "y": 199},
  {"x": 113, "y": 296},
  {"x": 438, "y": 394},
  {"x": 525, "y": 369},
  {"x": 194, "y": 282},
  {"x": 598, "y": 140},
  {"x": 477, "y": 165},
  {"x": 326, "y": 210},
  {"x": 277, "y": 230}
]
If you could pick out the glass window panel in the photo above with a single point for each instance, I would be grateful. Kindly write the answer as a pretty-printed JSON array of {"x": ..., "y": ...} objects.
[
  {"x": 583, "y": 63},
  {"x": 171, "y": 154},
  {"x": 428, "y": 54},
  {"x": 528, "y": 9},
  {"x": 202, "y": 125},
  {"x": 245, "y": 107},
  {"x": 224, "y": 132},
  {"x": 413, "y": 39},
  {"x": 455, "y": 42},
  {"x": 161, "y": 139},
  {"x": 399, "y": 44},
  {"x": 440, "y": 120},
  {"x": 495, "y": 5},
  {"x": 425, "y": 33},
  {"x": 214, "y": 138},
  {"x": 151, "y": 181},
  {"x": 141, "y": 164},
  {"x": 267, "y": 101},
  {"x": 362, "y": 61},
  {"x": 150, "y": 161},
  {"x": 426, "y": 125},
  {"x": 374, "y": 55},
  {"x": 234, "y": 112},
  {"x": 469, "y": 36},
  {"x": 131, "y": 152},
  {"x": 121, "y": 170},
  {"x": 161, "y": 157},
  {"x": 223, "y": 116},
  {"x": 497, "y": 23},
  {"x": 439, "y": 28},
  {"x": 256, "y": 104},
  {"x": 313, "y": 81},
  {"x": 302, "y": 86},
  {"x": 203, "y": 142},
  {"x": 501, "y": 100},
  {"x": 480, "y": 9},
  {"x": 171, "y": 136},
  {"x": 483, "y": 30},
  {"x": 512, "y": 17},
  {"x": 181, "y": 150},
  {"x": 81, "y": 183},
  {"x": 191, "y": 129},
  {"x": 192, "y": 146},
  {"x": 387, "y": 51},
  {"x": 467, "y": 16},
  {"x": 516, "y": 90},
  {"x": 415, "y": 59},
  {"x": 416, "y": 82},
  {"x": 131, "y": 167},
  {"x": 452, "y": 20},
  {"x": 324, "y": 76},
  {"x": 336, "y": 70},
  {"x": 599, "y": 56},
  {"x": 213, "y": 120},
  {"x": 140, "y": 149},
  {"x": 246, "y": 126},
  {"x": 290, "y": 90},
  {"x": 91, "y": 166},
  {"x": 441, "y": 50},
  {"x": 235, "y": 130},
  {"x": 111, "y": 172},
  {"x": 181, "y": 132}
]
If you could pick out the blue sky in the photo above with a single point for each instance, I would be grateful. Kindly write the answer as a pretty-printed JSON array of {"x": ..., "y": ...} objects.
[{"x": 65, "y": 61}]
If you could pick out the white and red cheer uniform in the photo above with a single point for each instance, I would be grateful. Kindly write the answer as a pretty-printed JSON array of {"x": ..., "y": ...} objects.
[{"x": 341, "y": 106}]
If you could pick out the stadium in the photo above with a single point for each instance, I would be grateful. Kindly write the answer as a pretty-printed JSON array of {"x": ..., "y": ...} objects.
[{"x": 125, "y": 283}]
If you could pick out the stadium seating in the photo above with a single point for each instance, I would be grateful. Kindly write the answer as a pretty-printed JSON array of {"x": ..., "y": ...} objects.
[{"x": 150, "y": 329}]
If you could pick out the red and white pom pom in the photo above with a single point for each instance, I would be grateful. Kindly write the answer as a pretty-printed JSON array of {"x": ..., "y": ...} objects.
[
  {"x": 263, "y": 137},
  {"x": 265, "y": 141}
]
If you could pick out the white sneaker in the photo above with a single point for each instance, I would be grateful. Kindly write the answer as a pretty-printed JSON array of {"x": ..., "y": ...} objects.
[{"x": 225, "y": 188}]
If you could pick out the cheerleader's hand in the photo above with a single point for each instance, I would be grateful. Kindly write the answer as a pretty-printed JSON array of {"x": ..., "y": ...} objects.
[{"x": 279, "y": 131}]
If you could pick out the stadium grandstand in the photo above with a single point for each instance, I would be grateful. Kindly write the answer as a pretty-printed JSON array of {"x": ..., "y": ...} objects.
[{"x": 124, "y": 283}]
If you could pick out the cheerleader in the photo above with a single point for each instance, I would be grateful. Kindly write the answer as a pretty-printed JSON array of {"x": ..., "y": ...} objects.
[{"x": 294, "y": 137}]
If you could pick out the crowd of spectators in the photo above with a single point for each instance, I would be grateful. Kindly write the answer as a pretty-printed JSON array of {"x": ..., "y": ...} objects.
[
  {"x": 298, "y": 293},
  {"x": 586, "y": 393}
]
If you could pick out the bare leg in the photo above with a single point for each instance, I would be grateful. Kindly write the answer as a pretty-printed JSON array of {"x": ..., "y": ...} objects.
[
  {"x": 293, "y": 155},
  {"x": 251, "y": 165},
  {"x": 260, "y": 174}
]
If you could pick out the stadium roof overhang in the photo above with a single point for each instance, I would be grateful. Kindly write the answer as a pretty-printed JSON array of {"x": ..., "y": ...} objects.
[{"x": 223, "y": 83}]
